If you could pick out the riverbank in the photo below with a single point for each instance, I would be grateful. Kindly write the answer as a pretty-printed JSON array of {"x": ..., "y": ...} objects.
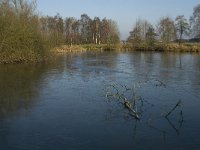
[
  {"x": 64, "y": 49},
  {"x": 172, "y": 47},
  {"x": 32, "y": 57},
  {"x": 85, "y": 47}
]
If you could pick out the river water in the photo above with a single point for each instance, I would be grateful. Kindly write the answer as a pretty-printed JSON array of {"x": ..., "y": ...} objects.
[{"x": 63, "y": 104}]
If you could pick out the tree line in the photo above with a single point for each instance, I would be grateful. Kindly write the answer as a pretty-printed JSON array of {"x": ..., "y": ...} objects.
[
  {"x": 166, "y": 31},
  {"x": 27, "y": 36},
  {"x": 80, "y": 31}
]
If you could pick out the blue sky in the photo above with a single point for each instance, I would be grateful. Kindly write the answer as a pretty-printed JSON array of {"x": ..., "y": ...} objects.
[{"x": 124, "y": 12}]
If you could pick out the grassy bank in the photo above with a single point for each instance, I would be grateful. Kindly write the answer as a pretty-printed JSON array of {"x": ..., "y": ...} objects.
[
  {"x": 40, "y": 55},
  {"x": 105, "y": 47},
  {"x": 64, "y": 49},
  {"x": 172, "y": 47},
  {"x": 85, "y": 47},
  {"x": 31, "y": 56},
  {"x": 184, "y": 47}
]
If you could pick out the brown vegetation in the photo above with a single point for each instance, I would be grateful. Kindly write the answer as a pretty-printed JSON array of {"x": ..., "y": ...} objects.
[
  {"x": 68, "y": 49},
  {"x": 20, "y": 39},
  {"x": 27, "y": 37}
]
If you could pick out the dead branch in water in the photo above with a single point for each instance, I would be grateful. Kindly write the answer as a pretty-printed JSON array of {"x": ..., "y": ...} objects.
[
  {"x": 160, "y": 83},
  {"x": 132, "y": 112},
  {"x": 123, "y": 100}
]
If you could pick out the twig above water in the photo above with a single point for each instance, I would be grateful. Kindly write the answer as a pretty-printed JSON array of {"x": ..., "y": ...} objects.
[{"x": 114, "y": 92}]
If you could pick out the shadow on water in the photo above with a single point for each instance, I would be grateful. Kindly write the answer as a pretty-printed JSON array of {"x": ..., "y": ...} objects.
[
  {"x": 19, "y": 87},
  {"x": 20, "y": 84}
]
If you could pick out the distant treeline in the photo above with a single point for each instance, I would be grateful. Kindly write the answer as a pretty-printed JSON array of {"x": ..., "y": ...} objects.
[
  {"x": 80, "y": 31},
  {"x": 167, "y": 31},
  {"x": 27, "y": 36}
]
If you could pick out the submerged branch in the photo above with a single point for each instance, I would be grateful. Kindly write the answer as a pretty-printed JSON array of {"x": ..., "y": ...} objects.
[
  {"x": 174, "y": 108},
  {"x": 118, "y": 95},
  {"x": 132, "y": 112}
]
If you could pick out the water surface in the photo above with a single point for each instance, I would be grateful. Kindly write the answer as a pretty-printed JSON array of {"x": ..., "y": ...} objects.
[{"x": 63, "y": 104}]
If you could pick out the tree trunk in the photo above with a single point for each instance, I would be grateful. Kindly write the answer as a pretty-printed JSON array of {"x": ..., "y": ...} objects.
[
  {"x": 71, "y": 41},
  {"x": 99, "y": 39},
  {"x": 181, "y": 34},
  {"x": 96, "y": 40}
]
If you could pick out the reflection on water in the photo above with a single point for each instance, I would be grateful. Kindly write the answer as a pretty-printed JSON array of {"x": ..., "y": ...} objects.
[
  {"x": 18, "y": 87},
  {"x": 62, "y": 105}
]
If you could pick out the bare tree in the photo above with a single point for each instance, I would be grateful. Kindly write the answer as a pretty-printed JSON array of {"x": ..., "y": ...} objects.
[
  {"x": 109, "y": 33},
  {"x": 182, "y": 27},
  {"x": 85, "y": 28},
  {"x": 96, "y": 23},
  {"x": 151, "y": 36},
  {"x": 138, "y": 36},
  {"x": 135, "y": 35},
  {"x": 195, "y": 21},
  {"x": 167, "y": 30},
  {"x": 70, "y": 30}
]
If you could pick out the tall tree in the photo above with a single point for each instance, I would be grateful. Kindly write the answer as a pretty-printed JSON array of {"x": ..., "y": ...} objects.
[
  {"x": 59, "y": 29},
  {"x": 52, "y": 29},
  {"x": 150, "y": 36},
  {"x": 113, "y": 33},
  {"x": 96, "y": 25},
  {"x": 109, "y": 32},
  {"x": 85, "y": 28},
  {"x": 182, "y": 27},
  {"x": 76, "y": 33},
  {"x": 135, "y": 35},
  {"x": 138, "y": 36},
  {"x": 167, "y": 30},
  {"x": 71, "y": 30},
  {"x": 104, "y": 30},
  {"x": 195, "y": 21}
]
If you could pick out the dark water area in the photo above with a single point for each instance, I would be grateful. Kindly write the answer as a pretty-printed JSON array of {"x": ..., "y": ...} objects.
[{"x": 63, "y": 104}]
